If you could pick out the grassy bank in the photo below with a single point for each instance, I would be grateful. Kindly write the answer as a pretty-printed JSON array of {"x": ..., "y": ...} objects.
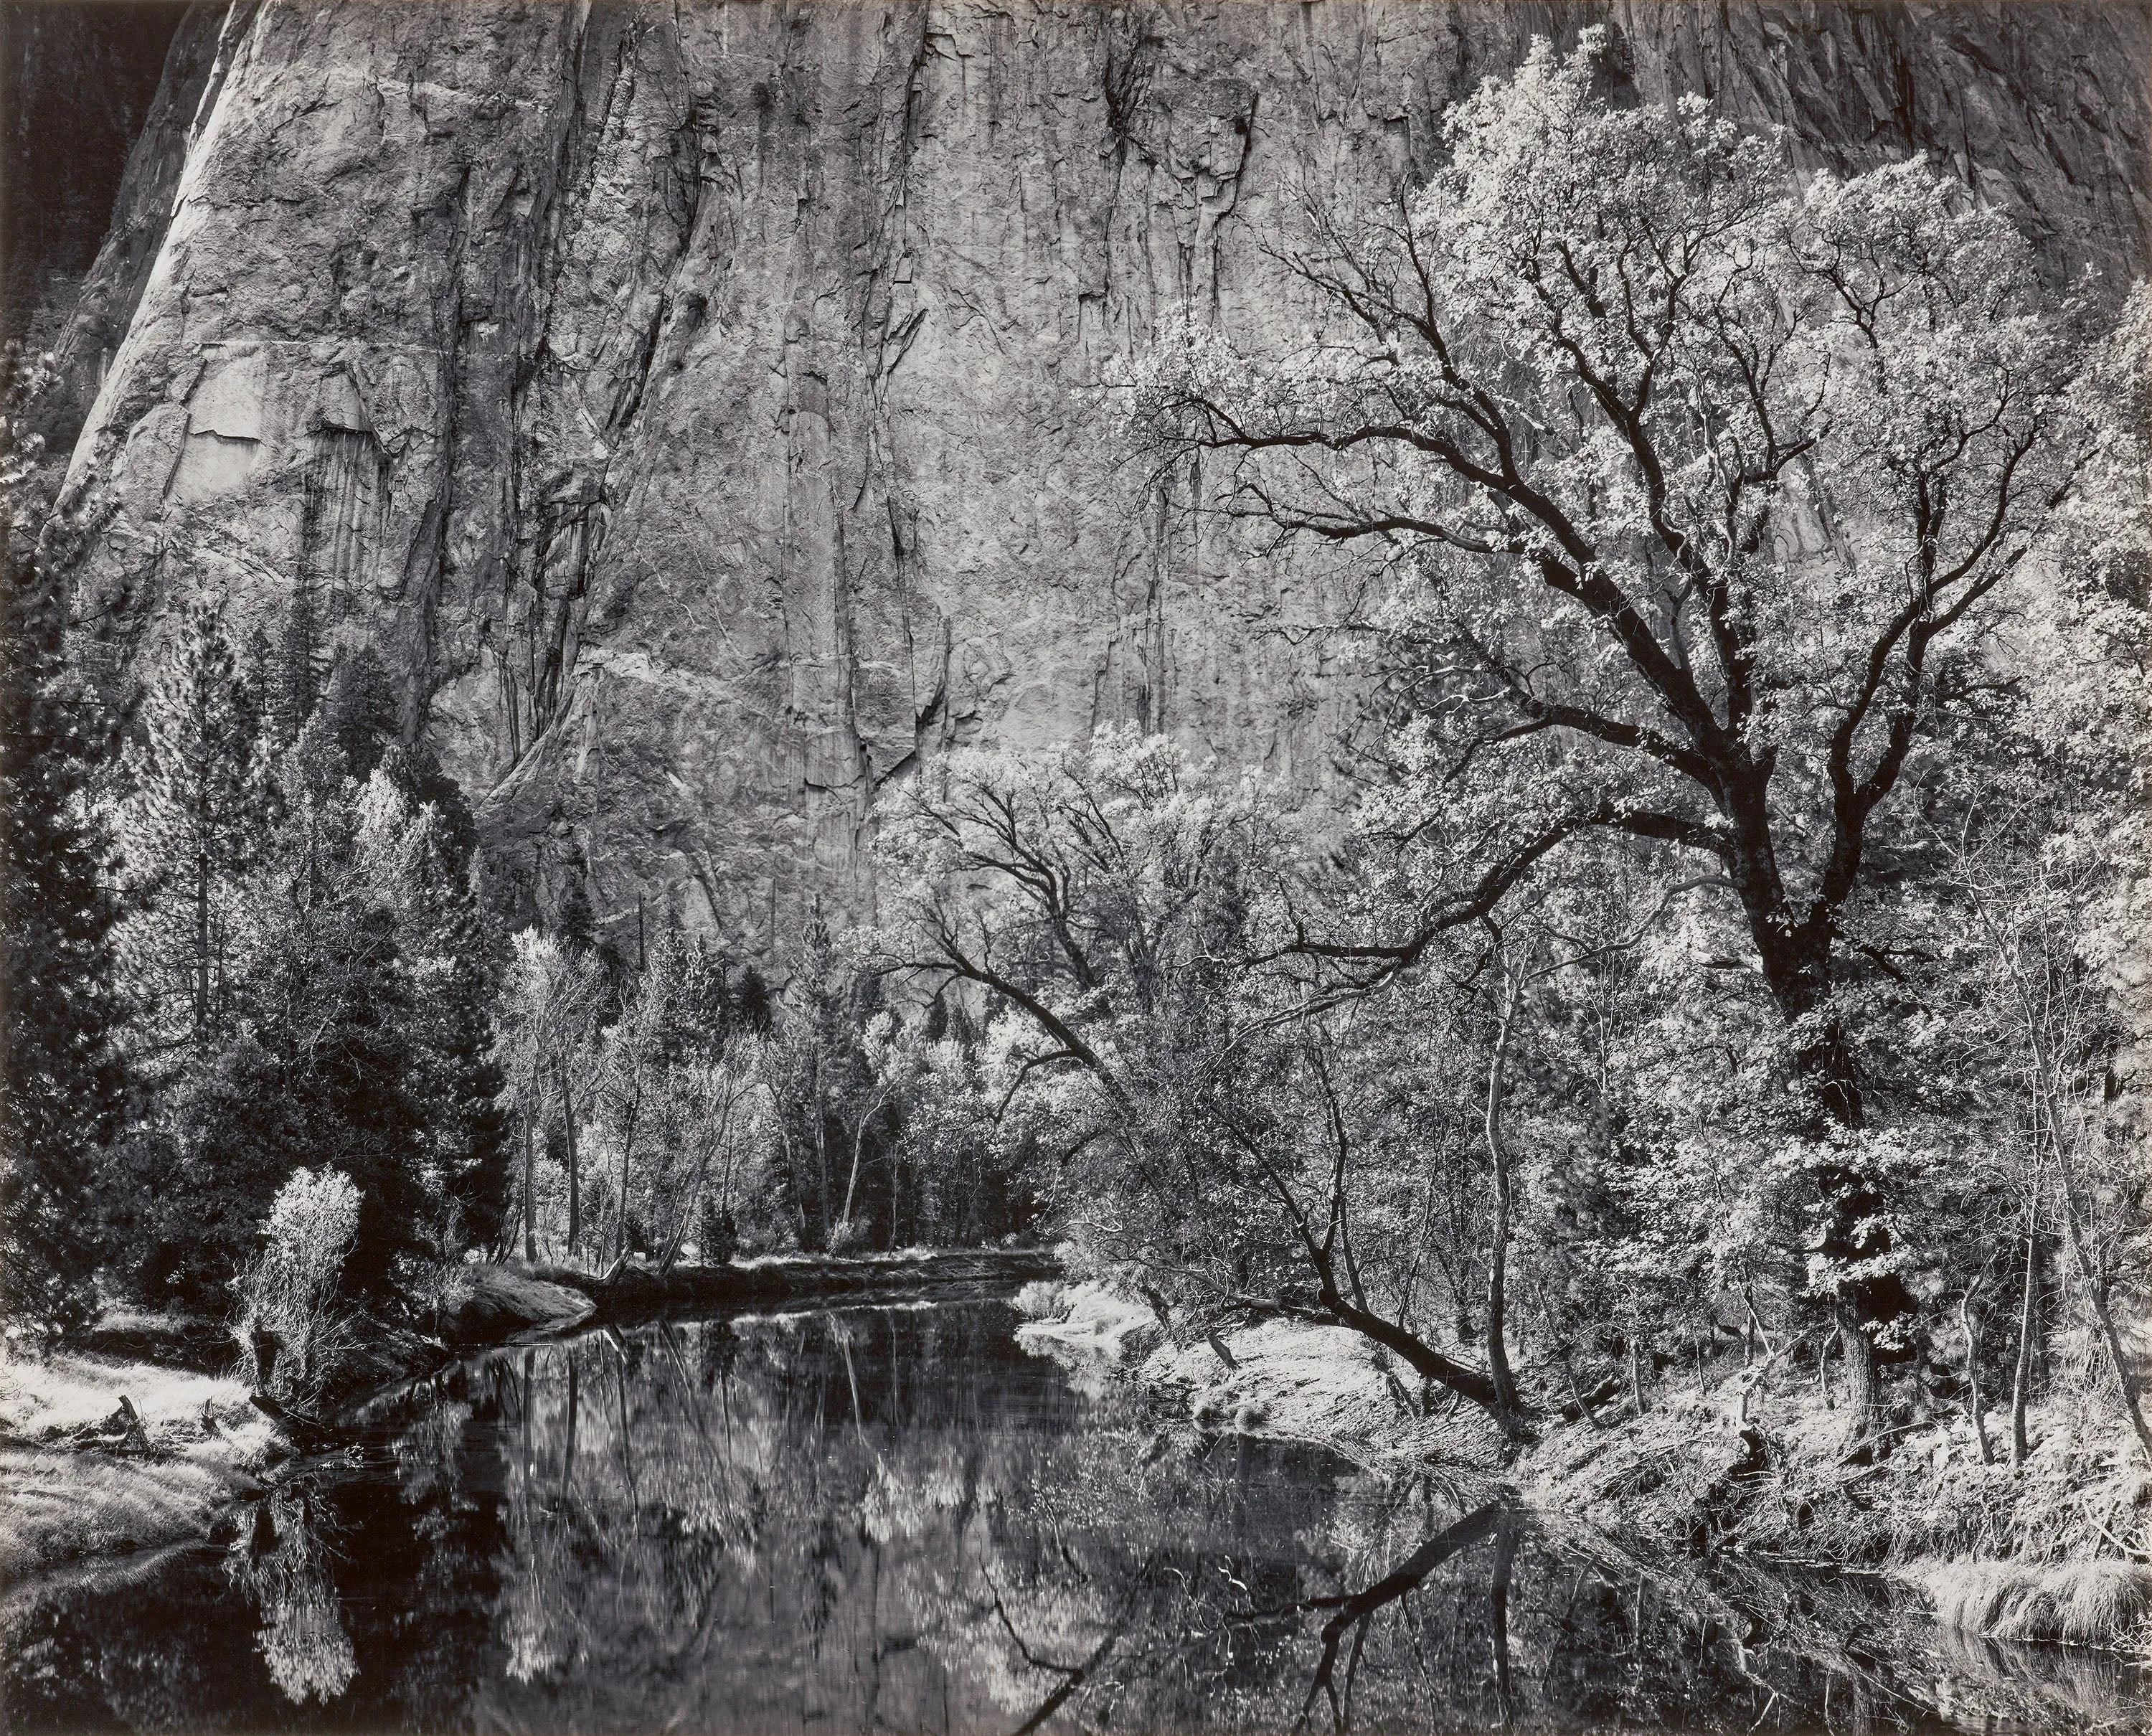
[
  {"x": 2052, "y": 1549},
  {"x": 79, "y": 1479},
  {"x": 144, "y": 1430}
]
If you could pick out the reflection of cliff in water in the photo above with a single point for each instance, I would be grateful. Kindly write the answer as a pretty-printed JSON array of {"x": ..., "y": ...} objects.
[
  {"x": 890, "y": 1518},
  {"x": 883, "y": 1518}
]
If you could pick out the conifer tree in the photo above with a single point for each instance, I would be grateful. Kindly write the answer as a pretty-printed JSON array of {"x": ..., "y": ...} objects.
[
  {"x": 60, "y": 1087},
  {"x": 296, "y": 689},
  {"x": 194, "y": 823}
]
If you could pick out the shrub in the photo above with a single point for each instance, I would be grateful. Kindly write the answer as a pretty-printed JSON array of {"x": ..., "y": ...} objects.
[
  {"x": 1044, "y": 1299},
  {"x": 2085, "y": 1603},
  {"x": 292, "y": 1289},
  {"x": 719, "y": 1235}
]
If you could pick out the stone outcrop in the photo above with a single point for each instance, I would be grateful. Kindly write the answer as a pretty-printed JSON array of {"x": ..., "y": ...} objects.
[
  {"x": 487, "y": 1305},
  {"x": 706, "y": 410}
]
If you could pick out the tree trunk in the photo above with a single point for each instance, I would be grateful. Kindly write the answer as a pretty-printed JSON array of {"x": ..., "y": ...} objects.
[
  {"x": 575, "y": 1175},
  {"x": 529, "y": 1201},
  {"x": 2097, "y": 1299},
  {"x": 1467, "y": 1382},
  {"x": 895, "y": 1179},
  {"x": 1859, "y": 1304},
  {"x": 1498, "y": 1150},
  {"x": 627, "y": 1153},
  {"x": 1335, "y": 1307},
  {"x": 1971, "y": 1322},
  {"x": 1863, "y": 1396},
  {"x": 1854, "y": 1232},
  {"x": 859, "y": 1147},
  {"x": 821, "y": 1157},
  {"x": 2029, "y": 1314},
  {"x": 1576, "y": 1392},
  {"x": 202, "y": 944}
]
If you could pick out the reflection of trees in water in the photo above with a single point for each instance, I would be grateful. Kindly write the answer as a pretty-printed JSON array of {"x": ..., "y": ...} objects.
[
  {"x": 284, "y": 1565},
  {"x": 807, "y": 1520},
  {"x": 404, "y": 1569},
  {"x": 855, "y": 1520},
  {"x": 884, "y": 1520},
  {"x": 895, "y": 1521}
]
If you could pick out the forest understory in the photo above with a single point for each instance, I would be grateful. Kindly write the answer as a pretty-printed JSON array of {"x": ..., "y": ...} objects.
[{"x": 1722, "y": 1461}]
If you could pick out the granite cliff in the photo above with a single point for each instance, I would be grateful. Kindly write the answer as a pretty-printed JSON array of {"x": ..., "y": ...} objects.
[{"x": 699, "y": 406}]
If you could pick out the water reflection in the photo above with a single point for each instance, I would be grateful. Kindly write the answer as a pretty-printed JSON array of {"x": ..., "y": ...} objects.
[
  {"x": 283, "y": 1566},
  {"x": 892, "y": 1520}
]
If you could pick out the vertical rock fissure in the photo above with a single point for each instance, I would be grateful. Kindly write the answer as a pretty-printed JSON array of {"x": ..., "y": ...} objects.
[
  {"x": 549, "y": 630},
  {"x": 734, "y": 399}
]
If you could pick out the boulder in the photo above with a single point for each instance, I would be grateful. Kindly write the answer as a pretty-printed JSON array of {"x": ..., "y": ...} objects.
[{"x": 497, "y": 1304}]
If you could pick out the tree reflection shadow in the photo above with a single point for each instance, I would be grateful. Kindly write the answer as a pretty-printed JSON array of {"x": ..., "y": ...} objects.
[
  {"x": 286, "y": 1564},
  {"x": 1355, "y": 1612},
  {"x": 889, "y": 1521},
  {"x": 906, "y": 1525}
]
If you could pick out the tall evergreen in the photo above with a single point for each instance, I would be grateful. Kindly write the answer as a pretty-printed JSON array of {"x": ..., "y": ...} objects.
[
  {"x": 60, "y": 1087},
  {"x": 195, "y": 821},
  {"x": 294, "y": 687}
]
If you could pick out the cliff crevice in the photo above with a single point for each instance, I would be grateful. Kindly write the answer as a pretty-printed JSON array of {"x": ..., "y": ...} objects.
[{"x": 706, "y": 410}]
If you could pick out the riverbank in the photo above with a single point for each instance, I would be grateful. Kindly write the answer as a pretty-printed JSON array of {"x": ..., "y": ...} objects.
[
  {"x": 638, "y": 1293},
  {"x": 100, "y": 1457},
  {"x": 2056, "y": 1548},
  {"x": 81, "y": 1480}
]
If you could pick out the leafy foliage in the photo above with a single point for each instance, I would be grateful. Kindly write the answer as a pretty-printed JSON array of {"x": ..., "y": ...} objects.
[
  {"x": 1726, "y": 512},
  {"x": 61, "y": 1089}
]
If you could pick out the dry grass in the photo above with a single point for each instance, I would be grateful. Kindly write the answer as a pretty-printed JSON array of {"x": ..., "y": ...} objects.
[
  {"x": 1676, "y": 1476},
  {"x": 2083, "y": 1493},
  {"x": 61, "y": 1500},
  {"x": 2076, "y": 1603},
  {"x": 43, "y": 1399},
  {"x": 66, "y": 1507}
]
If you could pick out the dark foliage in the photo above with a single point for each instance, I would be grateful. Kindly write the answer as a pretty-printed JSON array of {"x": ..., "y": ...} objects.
[{"x": 60, "y": 1086}]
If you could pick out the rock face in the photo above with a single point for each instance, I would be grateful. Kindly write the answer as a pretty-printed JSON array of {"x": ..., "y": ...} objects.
[{"x": 706, "y": 410}]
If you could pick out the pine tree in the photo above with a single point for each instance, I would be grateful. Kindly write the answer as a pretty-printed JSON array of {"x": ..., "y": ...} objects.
[
  {"x": 453, "y": 957},
  {"x": 60, "y": 1087},
  {"x": 295, "y": 688},
  {"x": 193, "y": 822}
]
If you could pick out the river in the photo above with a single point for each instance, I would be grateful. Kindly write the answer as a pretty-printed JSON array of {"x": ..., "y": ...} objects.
[{"x": 895, "y": 1520}]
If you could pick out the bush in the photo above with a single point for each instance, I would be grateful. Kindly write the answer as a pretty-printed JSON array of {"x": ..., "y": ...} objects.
[
  {"x": 1044, "y": 1299},
  {"x": 2085, "y": 1603},
  {"x": 718, "y": 1234},
  {"x": 293, "y": 1291}
]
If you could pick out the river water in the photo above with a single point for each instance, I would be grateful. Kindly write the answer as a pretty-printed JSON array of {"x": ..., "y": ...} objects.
[{"x": 895, "y": 1520}]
